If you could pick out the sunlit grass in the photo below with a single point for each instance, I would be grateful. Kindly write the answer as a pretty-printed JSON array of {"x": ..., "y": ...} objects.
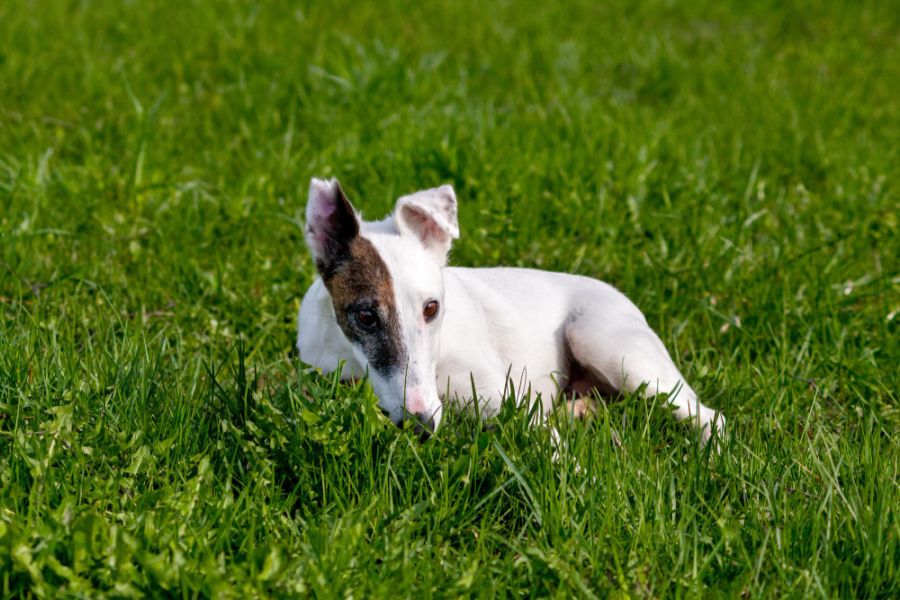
[{"x": 733, "y": 169}]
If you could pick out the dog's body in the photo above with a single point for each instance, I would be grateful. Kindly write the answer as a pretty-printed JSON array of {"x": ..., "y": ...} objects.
[{"x": 497, "y": 331}]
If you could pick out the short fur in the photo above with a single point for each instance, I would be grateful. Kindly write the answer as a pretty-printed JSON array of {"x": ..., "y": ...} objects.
[{"x": 538, "y": 334}]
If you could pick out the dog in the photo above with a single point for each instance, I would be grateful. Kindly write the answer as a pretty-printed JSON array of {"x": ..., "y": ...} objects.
[{"x": 387, "y": 306}]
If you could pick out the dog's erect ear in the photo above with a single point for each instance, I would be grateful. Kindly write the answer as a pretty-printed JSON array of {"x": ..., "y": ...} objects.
[
  {"x": 331, "y": 225},
  {"x": 430, "y": 215}
]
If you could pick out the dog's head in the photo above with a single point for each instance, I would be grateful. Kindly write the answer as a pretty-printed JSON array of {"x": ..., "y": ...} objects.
[{"x": 386, "y": 284}]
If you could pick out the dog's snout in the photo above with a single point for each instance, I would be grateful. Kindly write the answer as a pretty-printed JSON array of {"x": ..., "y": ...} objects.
[{"x": 423, "y": 425}]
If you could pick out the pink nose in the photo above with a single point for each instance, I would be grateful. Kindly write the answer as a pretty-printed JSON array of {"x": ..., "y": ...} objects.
[{"x": 415, "y": 401}]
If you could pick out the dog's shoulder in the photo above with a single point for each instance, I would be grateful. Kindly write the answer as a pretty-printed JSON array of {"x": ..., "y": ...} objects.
[{"x": 316, "y": 326}]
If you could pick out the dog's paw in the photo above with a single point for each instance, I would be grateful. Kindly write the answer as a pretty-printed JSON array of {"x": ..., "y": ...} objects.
[
  {"x": 713, "y": 430},
  {"x": 580, "y": 408}
]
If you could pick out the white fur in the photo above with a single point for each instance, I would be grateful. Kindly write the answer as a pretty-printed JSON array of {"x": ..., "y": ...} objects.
[{"x": 502, "y": 328}]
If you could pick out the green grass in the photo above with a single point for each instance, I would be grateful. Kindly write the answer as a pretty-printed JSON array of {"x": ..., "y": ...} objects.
[{"x": 733, "y": 168}]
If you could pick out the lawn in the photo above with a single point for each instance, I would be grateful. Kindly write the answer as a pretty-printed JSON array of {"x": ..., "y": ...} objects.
[{"x": 733, "y": 167}]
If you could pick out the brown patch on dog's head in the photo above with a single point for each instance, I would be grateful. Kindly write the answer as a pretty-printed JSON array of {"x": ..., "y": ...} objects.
[
  {"x": 363, "y": 283},
  {"x": 355, "y": 276}
]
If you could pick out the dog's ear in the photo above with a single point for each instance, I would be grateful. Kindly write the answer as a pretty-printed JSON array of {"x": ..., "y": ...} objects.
[
  {"x": 430, "y": 215},
  {"x": 331, "y": 225}
]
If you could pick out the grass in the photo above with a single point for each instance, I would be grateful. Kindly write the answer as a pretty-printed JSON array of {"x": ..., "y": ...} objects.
[{"x": 731, "y": 166}]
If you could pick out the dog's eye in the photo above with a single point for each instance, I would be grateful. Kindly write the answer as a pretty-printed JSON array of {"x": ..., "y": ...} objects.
[
  {"x": 366, "y": 318},
  {"x": 431, "y": 310}
]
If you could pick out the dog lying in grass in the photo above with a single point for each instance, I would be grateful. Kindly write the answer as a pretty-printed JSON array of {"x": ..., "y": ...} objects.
[{"x": 387, "y": 305}]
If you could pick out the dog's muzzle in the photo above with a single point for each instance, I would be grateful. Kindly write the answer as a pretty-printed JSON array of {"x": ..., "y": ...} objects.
[{"x": 423, "y": 425}]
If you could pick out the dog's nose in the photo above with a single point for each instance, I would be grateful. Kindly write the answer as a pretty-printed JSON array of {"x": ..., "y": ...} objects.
[{"x": 423, "y": 425}]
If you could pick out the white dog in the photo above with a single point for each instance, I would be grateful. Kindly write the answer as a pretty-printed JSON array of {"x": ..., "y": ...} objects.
[{"x": 387, "y": 305}]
